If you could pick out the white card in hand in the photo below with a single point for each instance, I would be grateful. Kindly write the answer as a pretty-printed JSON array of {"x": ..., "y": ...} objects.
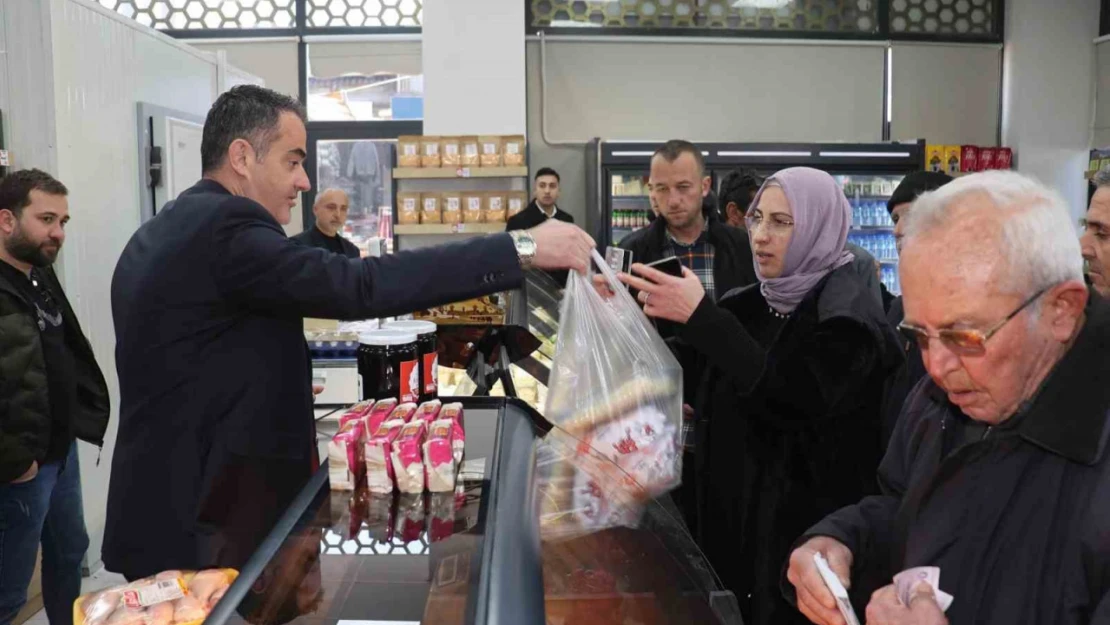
[{"x": 836, "y": 588}]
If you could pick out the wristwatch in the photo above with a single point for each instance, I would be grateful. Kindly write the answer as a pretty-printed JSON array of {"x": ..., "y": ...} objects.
[{"x": 525, "y": 247}]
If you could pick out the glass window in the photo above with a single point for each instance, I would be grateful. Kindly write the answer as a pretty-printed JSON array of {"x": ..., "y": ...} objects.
[
  {"x": 365, "y": 81},
  {"x": 362, "y": 169},
  {"x": 959, "y": 18},
  {"x": 207, "y": 14}
]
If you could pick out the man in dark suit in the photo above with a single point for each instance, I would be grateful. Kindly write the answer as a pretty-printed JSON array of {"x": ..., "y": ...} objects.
[
  {"x": 216, "y": 434},
  {"x": 330, "y": 211},
  {"x": 544, "y": 204}
]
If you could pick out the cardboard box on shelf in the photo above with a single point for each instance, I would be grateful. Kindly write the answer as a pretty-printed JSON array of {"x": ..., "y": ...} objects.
[
  {"x": 1004, "y": 158},
  {"x": 952, "y": 159},
  {"x": 969, "y": 159},
  {"x": 408, "y": 151},
  {"x": 934, "y": 158},
  {"x": 987, "y": 158}
]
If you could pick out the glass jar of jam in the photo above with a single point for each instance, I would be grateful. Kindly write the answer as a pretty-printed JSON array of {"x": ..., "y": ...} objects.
[
  {"x": 427, "y": 351},
  {"x": 388, "y": 365}
]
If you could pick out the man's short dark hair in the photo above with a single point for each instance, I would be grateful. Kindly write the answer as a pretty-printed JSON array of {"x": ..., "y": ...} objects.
[
  {"x": 675, "y": 148},
  {"x": 16, "y": 187},
  {"x": 246, "y": 112},
  {"x": 739, "y": 186},
  {"x": 547, "y": 171}
]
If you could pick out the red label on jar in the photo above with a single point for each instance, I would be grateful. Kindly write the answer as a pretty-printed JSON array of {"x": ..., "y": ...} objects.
[
  {"x": 431, "y": 373},
  {"x": 410, "y": 381}
]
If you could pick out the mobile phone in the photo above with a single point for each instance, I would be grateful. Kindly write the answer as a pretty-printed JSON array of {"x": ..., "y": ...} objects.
[
  {"x": 670, "y": 266},
  {"x": 619, "y": 260}
]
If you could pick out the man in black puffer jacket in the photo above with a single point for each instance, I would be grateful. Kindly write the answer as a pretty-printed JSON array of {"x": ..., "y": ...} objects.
[{"x": 51, "y": 392}]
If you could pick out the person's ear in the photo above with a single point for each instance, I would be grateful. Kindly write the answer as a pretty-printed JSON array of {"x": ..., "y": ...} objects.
[
  {"x": 706, "y": 184},
  {"x": 732, "y": 211},
  {"x": 239, "y": 155},
  {"x": 1063, "y": 309}
]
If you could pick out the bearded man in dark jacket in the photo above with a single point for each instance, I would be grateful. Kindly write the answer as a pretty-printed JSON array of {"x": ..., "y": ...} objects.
[{"x": 998, "y": 471}]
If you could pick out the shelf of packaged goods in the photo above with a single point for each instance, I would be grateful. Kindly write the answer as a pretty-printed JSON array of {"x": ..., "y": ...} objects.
[
  {"x": 872, "y": 228},
  {"x": 448, "y": 228},
  {"x": 425, "y": 173},
  {"x": 867, "y": 196}
]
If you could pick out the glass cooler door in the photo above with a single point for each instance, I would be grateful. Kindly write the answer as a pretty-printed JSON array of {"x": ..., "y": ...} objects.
[{"x": 872, "y": 228}]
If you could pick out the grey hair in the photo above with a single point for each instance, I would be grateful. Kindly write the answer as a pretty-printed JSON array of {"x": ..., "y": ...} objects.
[
  {"x": 1101, "y": 178},
  {"x": 1038, "y": 241}
]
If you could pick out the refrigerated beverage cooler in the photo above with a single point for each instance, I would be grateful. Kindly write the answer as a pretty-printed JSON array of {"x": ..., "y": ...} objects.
[{"x": 620, "y": 202}]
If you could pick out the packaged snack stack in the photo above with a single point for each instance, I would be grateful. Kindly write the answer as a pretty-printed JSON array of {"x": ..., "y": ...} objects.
[
  {"x": 344, "y": 457},
  {"x": 379, "y": 466},
  {"x": 408, "y": 464}
]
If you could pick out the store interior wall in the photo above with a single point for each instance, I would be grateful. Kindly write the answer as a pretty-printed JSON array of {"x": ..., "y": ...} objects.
[
  {"x": 274, "y": 60},
  {"x": 1048, "y": 92},
  {"x": 1102, "y": 96},
  {"x": 93, "y": 115}
]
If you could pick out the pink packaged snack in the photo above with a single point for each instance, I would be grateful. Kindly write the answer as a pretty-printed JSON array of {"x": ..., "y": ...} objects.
[
  {"x": 403, "y": 412},
  {"x": 440, "y": 462},
  {"x": 379, "y": 469},
  {"x": 356, "y": 412},
  {"x": 454, "y": 412},
  {"x": 378, "y": 414},
  {"x": 344, "y": 457},
  {"x": 428, "y": 411},
  {"x": 408, "y": 462}
]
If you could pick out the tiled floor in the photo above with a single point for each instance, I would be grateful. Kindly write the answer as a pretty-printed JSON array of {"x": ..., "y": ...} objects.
[{"x": 97, "y": 581}]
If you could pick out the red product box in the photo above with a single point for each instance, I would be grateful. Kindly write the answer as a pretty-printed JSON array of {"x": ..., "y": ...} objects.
[
  {"x": 969, "y": 160},
  {"x": 408, "y": 457},
  {"x": 379, "y": 466},
  {"x": 987, "y": 158},
  {"x": 1004, "y": 159},
  {"x": 378, "y": 414}
]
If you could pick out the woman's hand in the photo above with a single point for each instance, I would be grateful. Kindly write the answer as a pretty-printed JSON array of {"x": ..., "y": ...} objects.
[
  {"x": 665, "y": 296},
  {"x": 886, "y": 609}
]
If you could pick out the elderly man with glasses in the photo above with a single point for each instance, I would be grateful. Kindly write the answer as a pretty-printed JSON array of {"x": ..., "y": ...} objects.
[{"x": 998, "y": 471}]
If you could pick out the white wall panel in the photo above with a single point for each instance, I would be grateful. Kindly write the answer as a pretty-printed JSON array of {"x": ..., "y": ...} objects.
[
  {"x": 25, "y": 67},
  {"x": 946, "y": 94},
  {"x": 328, "y": 59},
  {"x": 103, "y": 66},
  {"x": 275, "y": 62},
  {"x": 1102, "y": 84}
]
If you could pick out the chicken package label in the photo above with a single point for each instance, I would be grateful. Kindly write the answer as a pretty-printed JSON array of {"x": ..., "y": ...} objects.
[
  {"x": 379, "y": 466},
  {"x": 643, "y": 443},
  {"x": 408, "y": 457},
  {"x": 345, "y": 457},
  {"x": 356, "y": 412},
  {"x": 439, "y": 456},
  {"x": 379, "y": 414},
  {"x": 410, "y": 381},
  {"x": 428, "y": 411},
  {"x": 403, "y": 412},
  {"x": 155, "y": 592}
]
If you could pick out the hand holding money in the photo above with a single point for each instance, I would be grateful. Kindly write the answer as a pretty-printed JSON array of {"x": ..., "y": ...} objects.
[
  {"x": 815, "y": 600},
  {"x": 929, "y": 576},
  {"x": 920, "y": 607}
]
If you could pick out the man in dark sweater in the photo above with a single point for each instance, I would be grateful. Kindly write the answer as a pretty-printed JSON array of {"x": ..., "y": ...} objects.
[
  {"x": 543, "y": 205},
  {"x": 51, "y": 393},
  {"x": 330, "y": 211}
]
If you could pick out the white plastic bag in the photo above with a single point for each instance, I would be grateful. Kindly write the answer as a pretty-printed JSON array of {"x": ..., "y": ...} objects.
[{"x": 615, "y": 396}]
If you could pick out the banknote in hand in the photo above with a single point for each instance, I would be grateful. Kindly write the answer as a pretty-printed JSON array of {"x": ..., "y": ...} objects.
[{"x": 906, "y": 581}]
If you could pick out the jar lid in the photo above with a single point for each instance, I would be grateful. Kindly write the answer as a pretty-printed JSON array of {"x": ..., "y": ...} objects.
[
  {"x": 419, "y": 327},
  {"x": 386, "y": 337}
]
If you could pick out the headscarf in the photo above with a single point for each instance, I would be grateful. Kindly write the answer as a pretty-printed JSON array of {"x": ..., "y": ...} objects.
[
  {"x": 822, "y": 217},
  {"x": 914, "y": 184}
]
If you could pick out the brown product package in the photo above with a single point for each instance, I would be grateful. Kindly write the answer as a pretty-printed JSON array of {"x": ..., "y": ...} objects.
[
  {"x": 408, "y": 151},
  {"x": 952, "y": 155},
  {"x": 429, "y": 152},
  {"x": 430, "y": 212},
  {"x": 494, "y": 212},
  {"x": 449, "y": 151},
  {"x": 471, "y": 152},
  {"x": 517, "y": 201},
  {"x": 513, "y": 149},
  {"x": 472, "y": 207},
  {"x": 490, "y": 147},
  {"x": 408, "y": 208},
  {"x": 452, "y": 207}
]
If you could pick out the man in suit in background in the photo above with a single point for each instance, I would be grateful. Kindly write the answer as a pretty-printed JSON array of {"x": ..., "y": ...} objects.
[
  {"x": 544, "y": 204},
  {"x": 330, "y": 211},
  {"x": 216, "y": 433}
]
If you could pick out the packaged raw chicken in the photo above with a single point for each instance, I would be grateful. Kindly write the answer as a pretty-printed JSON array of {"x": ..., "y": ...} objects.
[
  {"x": 440, "y": 463},
  {"x": 403, "y": 412},
  {"x": 454, "y": 412},
  {"x": 408, "y": 457},
  {"x": 379, "y": 466},
  {"x": 356, "y": 412},
  {"x": 428, "y": 411},
  {"x": 169, "y": 598},
  {"x": 379, "y": 414},
  {"x": 345, "y": 455}
]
